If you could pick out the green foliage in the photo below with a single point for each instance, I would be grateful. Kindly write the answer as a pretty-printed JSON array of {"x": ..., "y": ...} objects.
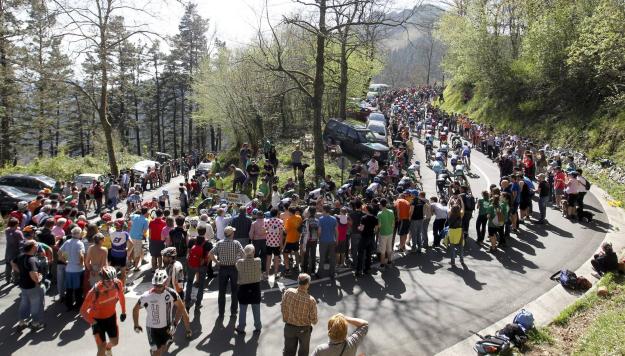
[
  {"x": 63, "y": 167},
  {"x": 540, "y": 336}
]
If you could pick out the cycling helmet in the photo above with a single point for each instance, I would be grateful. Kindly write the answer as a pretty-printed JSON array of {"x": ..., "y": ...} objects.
[
  {"x": 417, "y": 162},
  {"x": 159, "y": 278},
  {"x": 169, "y": 252},
  {"x": 108, "y": 273},
  {"x": 376, "y": 180},
  {"x": 22, "y": 205}
]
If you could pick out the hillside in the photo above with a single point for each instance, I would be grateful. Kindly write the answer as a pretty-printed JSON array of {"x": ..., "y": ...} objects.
[{"x": 409, "y": 51}]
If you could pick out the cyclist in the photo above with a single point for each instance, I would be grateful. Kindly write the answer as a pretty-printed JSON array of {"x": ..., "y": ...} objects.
[
  {"x": 466, "y": 155},
  {"x": 98, "y": 309},
  {"x": 159, "y": 303},
  {"x": 174, "y": 270},
  {"x": 121, "y": 244},
  {"x": 414, "y": 168}
]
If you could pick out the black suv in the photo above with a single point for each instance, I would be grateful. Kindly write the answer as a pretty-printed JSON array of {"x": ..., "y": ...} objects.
[
  {"x": 28, "y": 183},
  {"x": 358, "y": 141}
]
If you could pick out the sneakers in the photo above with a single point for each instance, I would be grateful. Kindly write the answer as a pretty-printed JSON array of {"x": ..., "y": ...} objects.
[
  {"x": 22, "y": 323},
  {"x": 36, "y": 326}
]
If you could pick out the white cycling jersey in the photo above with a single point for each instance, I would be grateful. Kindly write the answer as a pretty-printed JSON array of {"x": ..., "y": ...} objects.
[{"x": 159, "y": 307}]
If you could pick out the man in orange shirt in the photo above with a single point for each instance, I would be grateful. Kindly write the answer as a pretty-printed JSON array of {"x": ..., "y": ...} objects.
[
  {"x": 292, "y": 226},
  {"x": 402, "y": 207},
  {"x": 98, "y": 309}
]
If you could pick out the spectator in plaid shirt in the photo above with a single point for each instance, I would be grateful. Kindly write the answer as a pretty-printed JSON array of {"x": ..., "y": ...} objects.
[
  {"x": 299, "y": 313},
  {"x": 226, "y": 253}
]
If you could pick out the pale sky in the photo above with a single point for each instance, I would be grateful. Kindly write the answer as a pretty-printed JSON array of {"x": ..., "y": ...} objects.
[{"x": 236, "y": 21}]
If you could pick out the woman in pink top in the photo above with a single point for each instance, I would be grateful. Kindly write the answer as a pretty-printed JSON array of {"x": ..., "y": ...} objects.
[
  {"x": 341, "y": 247},
  {"x": 572, "y": 188}
]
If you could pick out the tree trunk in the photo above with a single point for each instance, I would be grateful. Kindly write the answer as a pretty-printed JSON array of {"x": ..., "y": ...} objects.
[
  {"x": 343, "y": 81},
  {"x": 158, "y": 105},
  {"x": 173, "y": 136},
  {"x": 182, "y": 122},
  {"x": 138, "y": 138},
  {"x": 103, "y": 109},
  {"x": 80, "y": 126},
  {"x": 318, "y": 89}
]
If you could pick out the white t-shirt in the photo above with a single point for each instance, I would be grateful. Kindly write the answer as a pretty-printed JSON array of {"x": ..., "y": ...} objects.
[{"x": 159, "y": 307}]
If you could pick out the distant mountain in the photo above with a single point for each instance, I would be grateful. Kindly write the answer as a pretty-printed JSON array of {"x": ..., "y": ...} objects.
[{"x": 411, "y": 51}]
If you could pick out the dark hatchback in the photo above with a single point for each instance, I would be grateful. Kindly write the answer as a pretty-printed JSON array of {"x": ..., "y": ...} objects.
[
  {"x": 10, "y": 196},
  {"x": 28, "y": 183},
  {"x": 357, "y": 141}
]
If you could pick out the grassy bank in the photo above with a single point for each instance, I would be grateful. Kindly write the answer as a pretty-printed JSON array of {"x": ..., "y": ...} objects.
[
  {"x": 592, "y": 325},
  {"x": 64, "y": 167},
  {"x": 598, "y": 134}
]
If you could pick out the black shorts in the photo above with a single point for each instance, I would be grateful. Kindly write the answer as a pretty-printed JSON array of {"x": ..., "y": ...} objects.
[
  {"x": 103, "y": 327},
  {"x": 158, "y": 337},
  {"x": 291, "y": 247},
  {"x": 273, "y": 251},
  {"x": 118, "y": 261},
  {"x": 493, "y": 230},
  {"x": 404, "y": 227},
  {"x": 571, "y": 199}
]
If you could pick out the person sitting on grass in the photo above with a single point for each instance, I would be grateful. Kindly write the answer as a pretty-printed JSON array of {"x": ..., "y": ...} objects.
[{"x": 606, "y": 260}]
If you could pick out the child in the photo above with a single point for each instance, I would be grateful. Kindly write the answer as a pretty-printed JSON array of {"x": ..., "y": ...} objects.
[{"x": 341, "y": 247}]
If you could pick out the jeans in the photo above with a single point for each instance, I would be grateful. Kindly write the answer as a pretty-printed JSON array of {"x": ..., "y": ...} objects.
[
  {"x": 580, "y": 204},
  {"x": 437, "y": 227},
  {"x": 327, "y": 252},
  {"x": 31, "y": 303},
  {"x": 466, "y": 221},
  {"x": 416, "y": 230},
  {"x": 309, "y": 264},
  {"x": 260, "y": 250},
  {"x": 424, "y": 231},
  {"x": 453, "y": 248},
  {"x": 480, "y": 226},
  {"x": 189, "y": 285},
  {"x": 542, "y": 207},
  {"x": 354, "y": 242},
  {"x": 227, "y": 274},
  {"x": 365, "y": 249},
  {"x": 243, "y": 313},
  {"x": 60, "y": 279},
  {"x": 113, "y": 202},
  {"x": 294, "y": 335}
]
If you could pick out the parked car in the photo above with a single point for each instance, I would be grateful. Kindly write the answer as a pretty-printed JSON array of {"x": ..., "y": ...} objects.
[
  {"x": 204, "y": 168},
  {"x": 142, "y": 167},
  {"x": 161, "y": 157},
  {"x": 85, "y": 179},
  {"x": 10, "y": 196},
  {"x": 28, "y": 183},
  {"x": 379, "y": 131},
  {"x": 377, "y": 116},
  {"x": 355, "y": 140}
]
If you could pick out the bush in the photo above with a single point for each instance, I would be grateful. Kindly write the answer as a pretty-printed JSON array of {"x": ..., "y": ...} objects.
[{"x": 64, "y": 167}]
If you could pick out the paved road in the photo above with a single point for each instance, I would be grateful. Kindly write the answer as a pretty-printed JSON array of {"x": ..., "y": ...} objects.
[{"x": 419, "y": 307}]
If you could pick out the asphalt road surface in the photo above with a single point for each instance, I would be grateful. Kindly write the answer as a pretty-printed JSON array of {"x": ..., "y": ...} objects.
[{"x": 419, "y": 307}]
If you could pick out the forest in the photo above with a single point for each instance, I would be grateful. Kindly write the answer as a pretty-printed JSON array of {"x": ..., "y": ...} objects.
[
  {"x": 78, "y": 79},
  {"x": 550, "y": 69}
]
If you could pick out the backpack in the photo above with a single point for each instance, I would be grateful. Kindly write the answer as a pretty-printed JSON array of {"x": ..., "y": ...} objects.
[
  {"x": 515, "y": 333},
  {"x": 525, "y": 319},
  {"x": 568, "y": 279},
  {"x": 469, "y": 202},
  {"x": 196, "y": 255},
  {"x": 500, "y": 218},
  {"x": 178, "y": 241},
  {"x": 491, "y": 344}
]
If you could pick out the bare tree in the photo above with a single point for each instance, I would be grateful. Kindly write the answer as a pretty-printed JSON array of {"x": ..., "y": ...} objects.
[{"x": 89, "y": 25}]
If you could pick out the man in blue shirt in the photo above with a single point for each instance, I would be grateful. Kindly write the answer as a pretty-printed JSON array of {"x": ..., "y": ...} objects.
[
  {"x": 328, "y": 234},
  {"x": 516, "y": 200},
  {"x": 72, "y": 252},
  {"x": 138, "y": 227}
]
